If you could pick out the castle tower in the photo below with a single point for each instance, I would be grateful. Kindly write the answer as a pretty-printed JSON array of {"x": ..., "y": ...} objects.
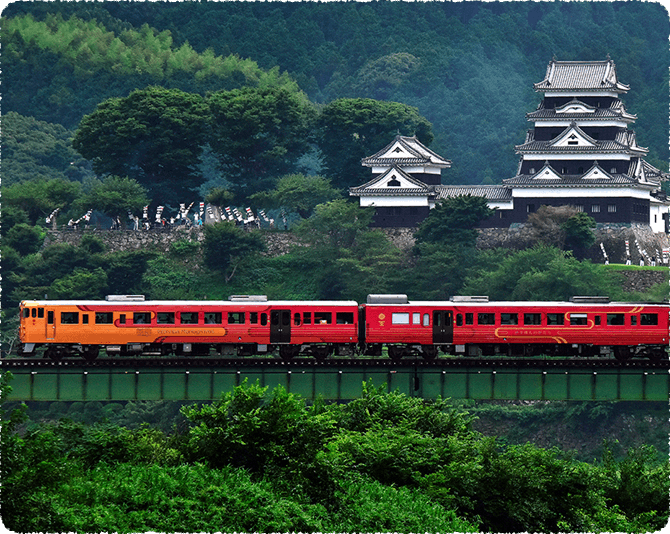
[{"x": 582, "y": 152}]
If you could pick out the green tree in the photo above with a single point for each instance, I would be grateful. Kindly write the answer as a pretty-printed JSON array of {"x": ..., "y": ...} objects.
[
  {"x": 25, "y": 239},
  {"x": 38, "y": 198},
  {"x": 259, "y": 133},
  {"x": 539, "y": 273},
  {"x": 114, "y": 196},
  {"x": 153, "y": 135},
  {"x": 344, "y": 257},
  {"x": 226, "y": 246},
  {"x": 579, "y": 233},
  {"x": 35, "y": 149},
  {"x": 454, "y": 221},
  {"x": 350, "y": 129},
  {"x": 80, "y": 284},
  {"x": 298, "y": 193}
]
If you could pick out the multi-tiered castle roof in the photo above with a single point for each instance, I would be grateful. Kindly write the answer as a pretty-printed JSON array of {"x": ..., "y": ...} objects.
[{"x": 580, "y": 152}]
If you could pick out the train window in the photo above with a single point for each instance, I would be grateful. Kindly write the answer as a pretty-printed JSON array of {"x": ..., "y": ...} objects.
[
  {"x": 213, "y": 317},
  {"x": 40, "y": 313},
  {"x": 400, "y": 318},
  {"x": 633, "y": 320},
  {"x": 286, "y": 318},
  {"x": 469, "y": 318},
  {"x": 555, "y": 319},
  {"x": 235, "y": 317},
  {"x": 597, "y": 320},
  {"x": 649, "y": 319},
  {"x": 84, "y": 318},
  {"x": 34, "y": 313},
  {"x": 426, "y": 319},
  {"x": 344, "y": 318},
  {"x": 253, "y": 317},
  {"x": 188, "y": 317},
  {"x": 532, "y": 319},
  {"x": 459, "y": 320},
  {"x": 615, "y": 318},
  {"x": 26, "y": 313},
  {"x": 122, "y": 318},
  {"x": 264, "y": 319},
  {"x": 579, "y": 319},
  {"x": 323, "y": 317},
  {"x": 416, "y": 318},
  {"x": 165, "y": 317},
  {"x": 50, "y": 317},
  {"x": 104, "y": 317},
  {"x": 307, "y": 318},
  {"x": 509, "y": 318},
  {"x": 296, "y": 319},
  {"x": 486, "y": 318},
  {"x": 141, "y": 318},
  {"x": 69, "y": 318}
]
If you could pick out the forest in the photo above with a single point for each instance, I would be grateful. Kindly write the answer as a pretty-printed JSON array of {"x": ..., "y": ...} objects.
[{"x": 114, "y": 106}]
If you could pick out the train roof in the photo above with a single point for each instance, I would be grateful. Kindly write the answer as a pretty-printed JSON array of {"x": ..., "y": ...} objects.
[
  {"x": 228, "y": 303},
  {"x": 517, "y": 303},
  {"x": 330, "y": 303}
]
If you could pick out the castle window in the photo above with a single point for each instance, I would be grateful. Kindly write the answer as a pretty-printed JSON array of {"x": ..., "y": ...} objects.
[
  {"x": 611, "y": 208},
  {"x": 595, "y": 208},
  {"x": 393, "y": 183}
]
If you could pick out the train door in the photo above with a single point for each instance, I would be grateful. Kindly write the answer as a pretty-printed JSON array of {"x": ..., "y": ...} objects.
[
  {"x": 280, "y": 326},
  {"x": 443, "y": 327},
  {"x": 51, "y": 324}
]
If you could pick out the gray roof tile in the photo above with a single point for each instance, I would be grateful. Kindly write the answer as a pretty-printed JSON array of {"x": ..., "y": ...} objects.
[{"x": 581, "y": 75}]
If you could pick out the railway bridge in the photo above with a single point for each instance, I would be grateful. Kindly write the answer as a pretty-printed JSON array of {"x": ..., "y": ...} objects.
[{"x": 204, "y": 379}]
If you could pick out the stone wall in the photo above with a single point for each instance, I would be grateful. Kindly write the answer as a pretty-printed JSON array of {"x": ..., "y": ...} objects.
[{"x": 277, "y": 243}]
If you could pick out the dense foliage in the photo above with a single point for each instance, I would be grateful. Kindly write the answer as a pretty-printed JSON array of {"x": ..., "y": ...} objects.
[
  {"x": 266, "y": 461},
  {"x": 467, "y": 67}
]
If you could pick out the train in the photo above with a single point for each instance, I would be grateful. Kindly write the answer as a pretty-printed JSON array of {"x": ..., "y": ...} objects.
[{"x": 470, "y": 326}]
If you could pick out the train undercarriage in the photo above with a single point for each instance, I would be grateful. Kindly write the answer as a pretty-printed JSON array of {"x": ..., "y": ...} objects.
[{"x": 322, "y": 351}]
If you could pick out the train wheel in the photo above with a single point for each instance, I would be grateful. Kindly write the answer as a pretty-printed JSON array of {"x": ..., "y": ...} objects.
[
  {"x": 53, "y": 354},
  {"x": 429, "y": 352},
  {"x": 321, "y": 352},
  {"x": 286, "y": 352},
  {"x": 622, "y": 353},
  {"x": 90, "y": 352},
  {"x": 396, "y": 352}
]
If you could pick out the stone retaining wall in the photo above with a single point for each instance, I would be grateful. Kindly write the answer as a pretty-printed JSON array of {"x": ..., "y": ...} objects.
[{"x": 277, "y": 243}]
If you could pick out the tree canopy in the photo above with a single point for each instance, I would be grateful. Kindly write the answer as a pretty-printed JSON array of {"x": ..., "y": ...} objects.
[
  {"x": 298, "y": 193},
  {"x": 350, "y": 129},
  {"x": 154, "y": 136},
  {"x": 258, "y": 133}
]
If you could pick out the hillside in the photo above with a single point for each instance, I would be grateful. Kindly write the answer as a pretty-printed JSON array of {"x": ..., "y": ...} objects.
[{"x": 467, "y": 67}]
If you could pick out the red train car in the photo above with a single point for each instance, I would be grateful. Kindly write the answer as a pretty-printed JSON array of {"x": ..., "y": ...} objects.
[
  {"x": 243, "y": 325},
  {"x": 473, "y": 326}
]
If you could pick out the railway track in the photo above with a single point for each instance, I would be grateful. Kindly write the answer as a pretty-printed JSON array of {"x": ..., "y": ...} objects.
[{"x": 485, "y": 362}]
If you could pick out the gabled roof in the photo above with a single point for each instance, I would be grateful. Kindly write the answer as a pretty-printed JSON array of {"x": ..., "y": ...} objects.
[
  {"x": 405, "y": 151},
  {"x": 624, "y": 143},
  {"x": 576, "y": 110},
  {"x": 393, "y": 182},
  {"x": 489, "y": 192},
  {"x": 588, "y": 76}
]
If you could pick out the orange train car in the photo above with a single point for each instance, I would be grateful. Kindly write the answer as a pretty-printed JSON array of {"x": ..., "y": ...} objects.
[{"x": 242, "y": 325}]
